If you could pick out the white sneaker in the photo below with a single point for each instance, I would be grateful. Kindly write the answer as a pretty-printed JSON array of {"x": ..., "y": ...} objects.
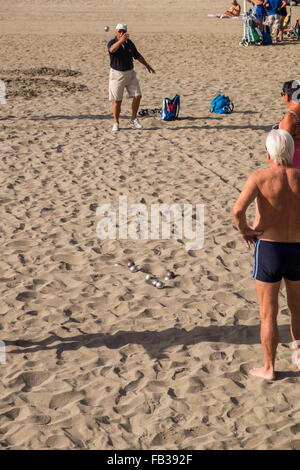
[
  {"x": 115, "y": 127},
  {"x": 136, "y": 123}
]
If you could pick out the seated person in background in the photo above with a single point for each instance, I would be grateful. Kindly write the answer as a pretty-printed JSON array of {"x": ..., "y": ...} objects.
[
  {"x": 291, "y": 121},
  {"x": 235, "y": 10},
  {"x": 294, "y": 28},
  {"x": 259, "y": 11}
]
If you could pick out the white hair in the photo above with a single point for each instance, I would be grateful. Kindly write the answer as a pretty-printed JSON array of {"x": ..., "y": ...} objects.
[{"x": 280, "y": 146}]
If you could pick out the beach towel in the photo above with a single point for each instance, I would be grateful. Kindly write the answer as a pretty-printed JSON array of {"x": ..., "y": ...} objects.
[
  {"x": 220, "y": 15},
  {"x": 266, "y": 34}
]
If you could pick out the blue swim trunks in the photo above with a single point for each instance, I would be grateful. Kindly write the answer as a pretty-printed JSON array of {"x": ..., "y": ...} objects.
[
  {"x": 276, "y": 260},
  {"x": 260, "y": 12}
]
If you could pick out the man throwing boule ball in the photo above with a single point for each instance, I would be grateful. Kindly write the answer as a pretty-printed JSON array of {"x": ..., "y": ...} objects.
[{"x": 122, "y": 51}]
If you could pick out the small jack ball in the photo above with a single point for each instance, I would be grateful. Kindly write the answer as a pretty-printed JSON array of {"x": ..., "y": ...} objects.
[{"x": 171, "y": 274}]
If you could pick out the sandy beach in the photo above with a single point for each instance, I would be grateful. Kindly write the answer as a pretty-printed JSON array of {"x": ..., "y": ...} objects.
[{"x": 96, "y": 357}]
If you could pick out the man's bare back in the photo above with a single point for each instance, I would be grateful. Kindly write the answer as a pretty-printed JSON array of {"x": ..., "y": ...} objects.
[
  {"x": 276, "y": 237},
  {"x": 278, "y": 203}
]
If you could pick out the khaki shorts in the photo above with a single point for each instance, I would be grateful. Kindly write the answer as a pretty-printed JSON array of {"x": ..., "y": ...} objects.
[
  {"x": 274, "y": 19},
  {"x": 118, "y": 81}
]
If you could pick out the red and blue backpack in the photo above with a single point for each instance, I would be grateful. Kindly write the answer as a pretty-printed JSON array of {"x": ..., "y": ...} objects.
[{"x": 170, "y": 108}]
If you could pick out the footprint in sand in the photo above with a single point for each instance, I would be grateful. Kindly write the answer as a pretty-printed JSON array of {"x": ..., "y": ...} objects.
[
  {"x": 58, "y": 442},
  {"x": 12, "y": 414},
  {"x": 39, "y": 419},
  {"x": 27, "y": 295},
  {"x": 196, "y": 385},
  {"x": 34, "y": 378},
  {"x": 63, "y": 399}
]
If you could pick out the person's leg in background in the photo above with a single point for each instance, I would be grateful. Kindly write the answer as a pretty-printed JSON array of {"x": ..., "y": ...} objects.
[{"x": 293, "y": 300}]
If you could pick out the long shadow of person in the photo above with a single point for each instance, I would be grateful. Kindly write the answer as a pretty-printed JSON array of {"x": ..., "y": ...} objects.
[{"x": 154, "y": 342}]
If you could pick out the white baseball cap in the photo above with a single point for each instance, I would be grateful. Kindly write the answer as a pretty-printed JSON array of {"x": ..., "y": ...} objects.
[{"x": 121, "y": 26}]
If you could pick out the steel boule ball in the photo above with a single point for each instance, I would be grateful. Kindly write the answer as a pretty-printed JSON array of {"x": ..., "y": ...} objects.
[
  {"x": 159, "y": 284},
  {"x": 134, "y": 268},
  {"x": 171, "y": 274},
  {"x": 106, "y": 28},
  {"x": 168, "y": 278},
  {"x": 154, "y": 281},
  {"x": 148, "y": 277},
  {"x": 118, "y": 264}
]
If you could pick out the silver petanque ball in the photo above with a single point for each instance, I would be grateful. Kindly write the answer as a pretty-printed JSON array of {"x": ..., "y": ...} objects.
[
  {"x": 148, "y": 277},
  {"x": 171, "y": 274},
  {"x": 134, "y": 268},
  {"x": 154, "y": 282},
  {"x": 168, "y": 278},
  {"x": 106, "y": 28},
  {"x": 159, "y": 285},
  {"x": 118, "y": 264}
]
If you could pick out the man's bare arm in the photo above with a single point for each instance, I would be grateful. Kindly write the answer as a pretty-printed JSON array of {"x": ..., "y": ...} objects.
[
  {"x": 247, "y": 196},
  {"x": 118, "y": 43},
  {"x": 143, "y": 61},
  {"x": 288, "y": 123}
]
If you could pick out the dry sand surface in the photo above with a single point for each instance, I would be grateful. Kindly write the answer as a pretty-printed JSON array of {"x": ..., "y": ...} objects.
[{"x": 96, "y": 358}]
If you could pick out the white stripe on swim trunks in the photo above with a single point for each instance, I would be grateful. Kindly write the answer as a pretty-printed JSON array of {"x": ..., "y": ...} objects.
[{"x": 256, "y": 260}]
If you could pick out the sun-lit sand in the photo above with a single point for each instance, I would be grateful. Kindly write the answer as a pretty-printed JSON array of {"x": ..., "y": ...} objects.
[{"x": 96, "y": 358}]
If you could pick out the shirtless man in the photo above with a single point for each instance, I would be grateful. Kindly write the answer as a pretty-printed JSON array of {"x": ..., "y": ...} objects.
[
  {"x": 276, "y": 237},
  {"x": 259, "y": 11}
]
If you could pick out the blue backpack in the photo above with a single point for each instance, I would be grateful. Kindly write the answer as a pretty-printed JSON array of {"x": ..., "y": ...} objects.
[
  {"x": 221, "y": 104},
  {"x": 170, "y": 108}
]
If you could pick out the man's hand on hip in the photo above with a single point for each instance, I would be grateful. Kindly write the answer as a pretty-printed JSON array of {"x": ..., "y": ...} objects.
[{"x": 250, "y": 236}]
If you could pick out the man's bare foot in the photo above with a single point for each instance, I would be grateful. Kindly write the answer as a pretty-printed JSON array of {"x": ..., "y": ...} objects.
[{"x": 263, "y": 373}]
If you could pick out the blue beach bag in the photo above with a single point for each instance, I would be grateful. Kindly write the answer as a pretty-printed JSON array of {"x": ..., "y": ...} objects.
[
  {"x": 221, "y": 104},
  {"x": 267, "y": 38},
  {"x": 170, "y": 108}
]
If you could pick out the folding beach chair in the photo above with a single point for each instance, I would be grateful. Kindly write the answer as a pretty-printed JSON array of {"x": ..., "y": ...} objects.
[
  {"x": 291, "y": 31},
  {"x": 252, "y": 35}
]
